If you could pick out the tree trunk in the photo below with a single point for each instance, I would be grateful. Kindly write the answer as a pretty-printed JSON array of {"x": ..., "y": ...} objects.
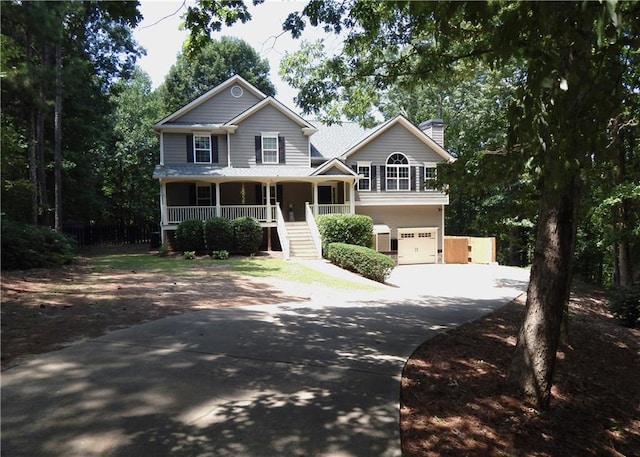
[
  {"x": 33, "y": 167},
  {"x": 43, "y": 200},
  {"x": 58, "y": 139},
  {"x": 534, "y": 359}
]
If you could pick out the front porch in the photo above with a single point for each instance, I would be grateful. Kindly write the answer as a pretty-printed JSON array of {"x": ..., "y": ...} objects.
[{"x": 181, "y": 200}]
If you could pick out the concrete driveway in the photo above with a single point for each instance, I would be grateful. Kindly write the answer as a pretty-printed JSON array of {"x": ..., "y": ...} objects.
[{"x": 313, "y": 379}]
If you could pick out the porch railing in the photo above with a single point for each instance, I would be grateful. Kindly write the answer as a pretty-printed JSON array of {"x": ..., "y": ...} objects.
[
  {"x": 177, "y": 214},
  {"x": 333, "y": 209},
  {"x": 282, "y": 233},
  {"x": 313, "y": 228}
]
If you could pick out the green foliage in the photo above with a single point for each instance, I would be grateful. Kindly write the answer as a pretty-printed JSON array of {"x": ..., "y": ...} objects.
[
  {"x": 220, "y": 255},
  {"x": 163, "y": 251},
  {"x": 189, "y": 255},
  {"x": 364, "y": 261},
  {"x": 190, "y": 236},
  {"x": 625, "y": 305},
  {"x": 194, "y": 74},
  {"x": 218, "y": 234},
  {"x": 353, "y": 229},
  {"x": 29, "y": 246},
  {"x": 247, "y": 233}
]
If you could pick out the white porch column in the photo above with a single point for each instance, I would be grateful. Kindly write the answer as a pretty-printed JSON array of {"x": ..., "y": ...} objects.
[
  {"x": 316, "y": 209},
  {"x": 442, "y": 231},
  {"x": 218, "y": 211},
  {"x": 268, "y": 202},
  {"x": 352, "y": 197},
  {"x": 163, "y": 210}
]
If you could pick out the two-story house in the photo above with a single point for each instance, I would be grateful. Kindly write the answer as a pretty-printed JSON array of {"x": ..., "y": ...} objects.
[{"x": 236, "y": 152}]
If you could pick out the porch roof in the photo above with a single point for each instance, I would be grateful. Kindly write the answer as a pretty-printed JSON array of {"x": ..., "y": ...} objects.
[{"x": 211, "y": 171}]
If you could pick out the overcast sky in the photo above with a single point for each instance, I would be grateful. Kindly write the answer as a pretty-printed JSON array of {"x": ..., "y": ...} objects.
[{"x": 160, "y": 35}]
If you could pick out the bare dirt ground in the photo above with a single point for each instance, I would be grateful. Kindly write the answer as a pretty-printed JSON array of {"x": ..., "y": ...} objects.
[{"x": 453, "y": 399}]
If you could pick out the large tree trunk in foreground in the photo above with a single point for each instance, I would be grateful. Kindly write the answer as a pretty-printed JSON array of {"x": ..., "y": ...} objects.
[{"x": 534, "y": 359}]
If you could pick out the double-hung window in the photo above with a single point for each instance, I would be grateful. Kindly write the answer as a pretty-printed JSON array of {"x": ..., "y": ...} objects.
[
  {"x": 270, "y": 153},
  {"x": 202, "y": 148},
  {"x": 364, "y": 170},
  {"x": 430, "y": 175},
  {"x": 397, "y": 172}
]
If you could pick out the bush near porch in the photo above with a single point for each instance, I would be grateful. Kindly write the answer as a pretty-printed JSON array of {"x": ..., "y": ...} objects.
[
  {"x": 355, "y": 229},
  {"x": 240, "y": 236},
  {"x": 362, "y": 260}
]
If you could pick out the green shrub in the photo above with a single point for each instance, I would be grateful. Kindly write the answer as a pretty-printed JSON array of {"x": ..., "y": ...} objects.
[
  {"x": 359, "y": 259},
  {"x": 354, "y": 229},
  {"x": 163, "y": 250},
  {"x": 220, "y": 255},
  {"x": 247, "y": 234},
  {"x": 189, "y": 255},
  {"x": 218, "y": 234},
  {"x": 625, "y": 306},
  {"x": 190, "y": 236},
  {"x": 29, "y": 246}
]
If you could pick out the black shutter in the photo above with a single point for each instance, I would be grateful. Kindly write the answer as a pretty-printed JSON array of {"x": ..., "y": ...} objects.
[
  {"x": 192, "y": 195},
  {"x": 374, "y": 184},
  {"x": 258, "y": 149},
  {"x": 421, "y": 180},
  {"x": 214, "y": 149},
  {"x": 213, "y": 194},
  {"x": 279, "y": 195},
  {"x": 413, "y": 178},
  {"x": 189, "y": 148},
  {"x": 281, "y": 151},
  {"x": 383, "y": 178}
]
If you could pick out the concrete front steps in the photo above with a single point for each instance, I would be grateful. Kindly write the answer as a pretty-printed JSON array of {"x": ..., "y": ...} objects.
[{"x": 300, "y": 241}]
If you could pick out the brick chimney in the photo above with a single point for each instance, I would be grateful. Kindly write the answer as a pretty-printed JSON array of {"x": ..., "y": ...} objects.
[{"x": 435, "y": 129}]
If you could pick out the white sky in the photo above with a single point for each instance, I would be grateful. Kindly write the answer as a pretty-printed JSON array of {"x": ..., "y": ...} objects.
[{"x": 163, "y": 40}]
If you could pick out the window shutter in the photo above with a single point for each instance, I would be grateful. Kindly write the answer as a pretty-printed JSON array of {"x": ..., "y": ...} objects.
[
  {"x": 421, "y": 181},
  {"x": 192, "y": 195},
  {"x": 279, "y": 194},
  {"x": 213, "y": 194},
  {"x": 383, "y": 178},
  {"x": 413, "y": 178},
  {"x": 189, "y": 148},
  {"x": 374, "y": 184},
  {"x": 281, "y": 151},
  {"x": 258, "y": 149},
  {"x": 214, "y": 149}
]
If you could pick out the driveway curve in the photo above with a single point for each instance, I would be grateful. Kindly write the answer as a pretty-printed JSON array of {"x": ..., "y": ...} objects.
[{"x": 320, "y": 378}]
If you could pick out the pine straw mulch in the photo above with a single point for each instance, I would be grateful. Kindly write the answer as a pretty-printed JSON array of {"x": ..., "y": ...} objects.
[{"x": 454, "y": 401}]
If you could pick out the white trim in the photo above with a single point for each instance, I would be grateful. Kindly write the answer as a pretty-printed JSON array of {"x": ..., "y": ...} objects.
[
  {"x": 235, "y": 79},
  {"x": 410, "y": 127},
  {"x": 270, "y": 135},
  {"x": 161, "y": 148},
  {"x": 333, "y": 163},
  {"x": 397, "y": 178},
  {"x": 195, "y": 154},
  {"x": 270, "y": 101}
]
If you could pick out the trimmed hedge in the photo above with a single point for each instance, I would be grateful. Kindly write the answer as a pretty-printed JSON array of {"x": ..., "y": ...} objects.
[
  {"x": 364, "y": 261},
  {"x": 218, "y": 234},
  {"x": 354, "y": 229},
  {"x": 247, "y": 233},
  {"x": 30, "y": 246},
  {"x": 190, "y": 236}
]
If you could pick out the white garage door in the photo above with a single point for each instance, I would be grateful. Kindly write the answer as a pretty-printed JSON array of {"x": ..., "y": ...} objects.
[{"x": 417, "y": 245}]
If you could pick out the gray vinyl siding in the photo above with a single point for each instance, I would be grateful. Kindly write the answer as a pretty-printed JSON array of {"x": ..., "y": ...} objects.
[
  {"x": 269, "y": 119},
  {"x": 396, "y": 139},
  {"x": 175, "y": 148},
  {"x": 220, "y": 108}
]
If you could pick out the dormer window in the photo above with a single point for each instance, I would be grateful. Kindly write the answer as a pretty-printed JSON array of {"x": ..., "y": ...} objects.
[
  {"x": 202, "y": 148},
  {"x": 270, "y": 147}
]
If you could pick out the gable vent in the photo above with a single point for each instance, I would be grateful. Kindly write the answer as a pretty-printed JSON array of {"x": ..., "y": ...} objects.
[{"x": 237, "y": 91}]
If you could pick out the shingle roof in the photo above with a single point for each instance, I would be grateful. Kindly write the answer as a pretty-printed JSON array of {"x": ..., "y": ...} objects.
[
  {"x": 204, "y": 171},
  {"x": 333, "y": 140}
]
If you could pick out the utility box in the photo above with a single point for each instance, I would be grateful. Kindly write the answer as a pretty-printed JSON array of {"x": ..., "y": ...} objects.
[{"x": 382, "y": 237}]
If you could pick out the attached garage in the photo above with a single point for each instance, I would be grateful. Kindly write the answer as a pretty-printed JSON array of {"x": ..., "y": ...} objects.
[{"x": 417, "y": 245}]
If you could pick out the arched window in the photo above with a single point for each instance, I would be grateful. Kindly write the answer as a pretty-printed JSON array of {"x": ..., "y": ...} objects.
[{"x": 398, "y": 176}]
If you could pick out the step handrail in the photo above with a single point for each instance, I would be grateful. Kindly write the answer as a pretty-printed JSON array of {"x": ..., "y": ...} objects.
[
  {"x": 313, "y": 228},
  {"x": 282, "y": 233}
]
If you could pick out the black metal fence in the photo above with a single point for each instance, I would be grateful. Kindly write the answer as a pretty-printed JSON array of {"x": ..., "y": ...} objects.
[{"x": 93, "y": 235}]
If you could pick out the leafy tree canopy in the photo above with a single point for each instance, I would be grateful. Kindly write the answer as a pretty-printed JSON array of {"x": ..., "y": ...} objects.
[{"x": 195, "y": 73}]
